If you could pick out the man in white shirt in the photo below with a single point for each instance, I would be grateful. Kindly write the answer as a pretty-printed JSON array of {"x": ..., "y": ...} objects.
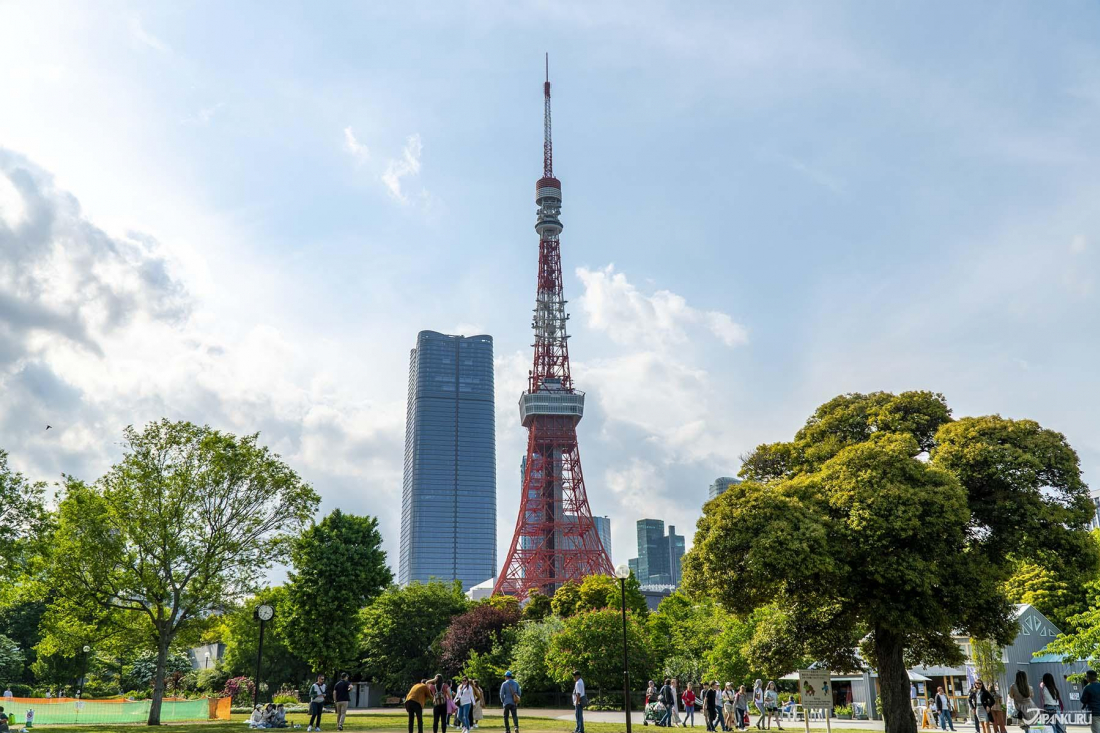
[
  {"x": 578, "y": 700},
  {"x": 675, "y": 702}
]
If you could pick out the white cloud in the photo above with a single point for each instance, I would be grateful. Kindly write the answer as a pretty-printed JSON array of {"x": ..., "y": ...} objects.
[
  {"x": 356, "y": 149},
  {"x": 615, "y": 306},
  {"x": 204, "y": 115},
  {"x": 1078, "y": 244},
  {"x": 145, "y": 38},
  {"x": 407, "y": 165},
  {"x": 98, "y": 332}
]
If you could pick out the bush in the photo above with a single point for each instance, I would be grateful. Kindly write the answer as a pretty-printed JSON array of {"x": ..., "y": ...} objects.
[
  {"x": 211, "y": 680},
  {"x": 241, "y": 689},
  {"x": 19, "y": 690},
  {"x": 285, "y": 700}
]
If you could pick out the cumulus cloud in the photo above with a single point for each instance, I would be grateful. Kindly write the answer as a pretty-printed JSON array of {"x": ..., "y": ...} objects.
[
  {"x": 97, "y": 332},
  {"x": 405, "y": 166},
  {"x": 614, "y": 305}
]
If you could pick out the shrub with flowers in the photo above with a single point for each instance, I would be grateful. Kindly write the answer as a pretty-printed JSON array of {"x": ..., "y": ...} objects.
[{"x": 241, "y": 689}]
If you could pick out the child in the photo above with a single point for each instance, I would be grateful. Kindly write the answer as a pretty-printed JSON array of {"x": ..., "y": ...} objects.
[{"x": 3, "y": 720}]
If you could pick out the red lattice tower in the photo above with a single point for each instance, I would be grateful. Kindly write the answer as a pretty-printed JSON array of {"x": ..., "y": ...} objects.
[{"x": 555, "y": 538}]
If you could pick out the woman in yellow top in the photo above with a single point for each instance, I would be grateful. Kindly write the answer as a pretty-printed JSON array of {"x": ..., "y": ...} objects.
[{"x": 415, "y": 701}]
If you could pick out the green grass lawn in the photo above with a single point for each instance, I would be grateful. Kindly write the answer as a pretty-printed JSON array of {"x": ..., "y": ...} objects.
[{"x": 396, "y": 723}]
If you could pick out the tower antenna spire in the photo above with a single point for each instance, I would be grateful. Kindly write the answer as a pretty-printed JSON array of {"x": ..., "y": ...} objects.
[{"x": 547, "y": 146}]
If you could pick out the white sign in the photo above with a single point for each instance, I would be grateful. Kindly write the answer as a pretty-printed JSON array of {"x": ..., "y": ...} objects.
[{"x": 816, "y": 688}]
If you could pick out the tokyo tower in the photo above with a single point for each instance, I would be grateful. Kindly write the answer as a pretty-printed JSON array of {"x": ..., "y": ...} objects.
[{"x": 555, "y": 538}]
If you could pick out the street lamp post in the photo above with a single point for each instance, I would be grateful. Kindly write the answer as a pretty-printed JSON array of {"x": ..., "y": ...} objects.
[
  {"x": 84, "y": 674},
  {"x": 263, "y": 614},
  {"x": 622, "y": 573}
]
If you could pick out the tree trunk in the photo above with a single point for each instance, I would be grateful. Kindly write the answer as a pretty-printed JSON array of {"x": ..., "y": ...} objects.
[
  {"x": 894, "y": 683},
  {"x": 158, "y": 678}
]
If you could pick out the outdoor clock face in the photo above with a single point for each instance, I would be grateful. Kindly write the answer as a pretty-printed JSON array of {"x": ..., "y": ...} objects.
[{"x": 265, "y": 612}]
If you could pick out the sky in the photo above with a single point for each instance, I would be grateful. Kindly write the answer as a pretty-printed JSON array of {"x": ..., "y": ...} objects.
[{"x": 241, "y": 214}]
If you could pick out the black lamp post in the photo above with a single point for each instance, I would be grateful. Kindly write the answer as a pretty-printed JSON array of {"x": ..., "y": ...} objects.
[
  {"x": 84, "y": 674},
  {"x": 622, "y": 573},
  {"x": 263, "y": 614}
]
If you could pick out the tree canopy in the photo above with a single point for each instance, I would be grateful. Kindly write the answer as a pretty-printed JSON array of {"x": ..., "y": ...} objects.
[
  {"x": 241, "y": 636},
  {"x": 592, "y": 642},
  {"x": 339, "y": 568},
  {"x": 186, "y": 522},
  {"x": 399, "y": 630},
  {"x": 885, "y": 521}
]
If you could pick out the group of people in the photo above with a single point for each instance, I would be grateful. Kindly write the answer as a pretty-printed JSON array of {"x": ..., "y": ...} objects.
[
  {"x": 462, "y": 705},
  {"x": 271, "y": 716},
  {"x": 723, "y": 707},
  {"x": 466, "y": 703},
  {"x": 1044, "y": 706}
]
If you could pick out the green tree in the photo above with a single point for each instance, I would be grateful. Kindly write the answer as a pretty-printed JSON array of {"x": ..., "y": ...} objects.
[
  {"x": 531, "y": 651},
  {"x": 566, "y": 599},
  {"x": 19, "y": 622},
  {"x": 592, "y": 642},
  {"x": 241, "y": 637},
  {"x": 400, "y": 630},
  {"x": 987, "y": 659},
  {"x": 339, "y": 568},
  {"x": 11, "y": 659},
  {"x": 1080, "y": 638},
  {"x": 885, "y": 521},
  {"x": 189, "y": 519},
  {"x": 24, "y": 520},
  {"x": 603, "y": 591},
  {"x": 538, "y": 606}
]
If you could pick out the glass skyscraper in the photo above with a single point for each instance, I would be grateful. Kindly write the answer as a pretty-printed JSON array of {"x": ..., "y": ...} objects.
[
  {"x": 449, "y": 497},
  {"x": 658, "y": 561}
]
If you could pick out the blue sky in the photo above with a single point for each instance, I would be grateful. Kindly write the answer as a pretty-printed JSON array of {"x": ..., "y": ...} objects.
[{"x": 242, "y": 213}]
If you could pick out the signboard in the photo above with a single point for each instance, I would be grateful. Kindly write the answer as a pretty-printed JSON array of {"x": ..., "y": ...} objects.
[{"x": 816, "y": 688}]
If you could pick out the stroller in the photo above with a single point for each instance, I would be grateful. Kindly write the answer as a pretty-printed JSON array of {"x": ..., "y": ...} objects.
[{"x": 654, "y": 713}]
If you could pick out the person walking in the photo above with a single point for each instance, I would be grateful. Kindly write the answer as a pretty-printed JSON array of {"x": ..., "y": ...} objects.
[
  {"x": 650, "y": 692},
  {"x": 943, "y": 709},
  {"x": 341, "y": 698},
  {"x": 741, "y": 708},
  {"x": 998, "y": 710},
  {"x": 981, "y": 702},
  {"x": 316, "y": 703},
  {"x": 579, "y": 700},
  {"x": 728, "y": 712},
  {"x": 441, "y": 699},
  {"x": 418, "y": 697},
  {"x": 1020, "y": 694},
  {"x": 710, "y": 705},
  {"x": 1052, "y": 702},
  {"x": 771, "y": 705},
  {"x": 479, "y": 702},
  {"x": 464, "y": 698},
  {"x": 1090, "y": 698},
  {"x": 509, "y": 696},
  {"x": 689, "y": 705},
  {"x": 675, "y": 702},
  {"x": 665, "y": 696},
  {"x": 758, "y": 701}
]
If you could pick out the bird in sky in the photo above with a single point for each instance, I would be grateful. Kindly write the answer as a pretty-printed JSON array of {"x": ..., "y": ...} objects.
[{"x": 48, "y": 427}]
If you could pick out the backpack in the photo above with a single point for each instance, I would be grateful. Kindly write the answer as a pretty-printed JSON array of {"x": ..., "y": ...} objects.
[{"x": 439, "y": 697}]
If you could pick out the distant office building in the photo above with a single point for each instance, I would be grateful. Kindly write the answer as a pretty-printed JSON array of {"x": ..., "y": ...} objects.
[
  {"x": 448, "y": 501},
  {"x": 658, "y": 561},
  {"x": 720, "y": 485},
  {"x": 1096, "y": 515},
  {"x": 603, "y": 529},
  {"x": 632, "y": 563}
]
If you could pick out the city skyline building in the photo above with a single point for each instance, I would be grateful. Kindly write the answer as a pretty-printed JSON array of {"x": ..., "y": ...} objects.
[
  {"x": 448, "y": 498},
  {"x": 720, "y": 485},
  {"x": 603, "y": 529},
  {"x": 555, "y": 539},
  {"x": 659, "y": 555},
  {"x": 1095, "y": 523}
]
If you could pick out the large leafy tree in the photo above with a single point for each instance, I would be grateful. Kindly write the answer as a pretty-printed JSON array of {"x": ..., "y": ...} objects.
[
  {"x": 475, "y": 631},
  {"x": 400, "y": 628},
  {"x": 339, "y": 568},
  {"x": 11, "y": 659},
  {"x": 1081, "y": 637},
  {"x": 886, "y": 522},
  {"x": 184, "y": 524},
  {"x": 531, "y": 653},
  {"x": 592, "y": 642},
  {"x": 241, "y": 636},
  {"x": 24, "y": 520}
]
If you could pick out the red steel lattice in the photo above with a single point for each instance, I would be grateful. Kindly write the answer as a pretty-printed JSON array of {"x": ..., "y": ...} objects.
[{"x": 555, "y": 538}]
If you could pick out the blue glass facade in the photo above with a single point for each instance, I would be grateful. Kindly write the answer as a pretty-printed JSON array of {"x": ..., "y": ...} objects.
[{"x": 449, "y": 497}]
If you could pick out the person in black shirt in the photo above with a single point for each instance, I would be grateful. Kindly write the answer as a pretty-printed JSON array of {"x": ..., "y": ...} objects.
[
  {"x": 341, "y": 695},
  {"x": 710, "y": 704}
]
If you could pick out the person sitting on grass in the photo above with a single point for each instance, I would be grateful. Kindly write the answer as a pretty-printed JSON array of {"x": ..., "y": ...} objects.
[
  {"x": 256, "y": 720},
  {"x": 279, "y": 719},
  {"x": 3, "y": 720}
]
